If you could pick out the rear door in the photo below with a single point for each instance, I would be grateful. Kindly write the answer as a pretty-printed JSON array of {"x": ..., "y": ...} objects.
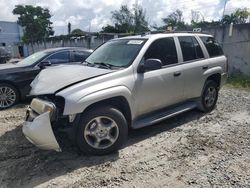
[{"x": 194, "y": 63}]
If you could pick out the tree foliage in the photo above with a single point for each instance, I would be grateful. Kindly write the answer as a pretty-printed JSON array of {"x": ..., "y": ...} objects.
[
  {"x": 175, "y": 20},
  {"x": 240, "y": 16},
  {"x": 35, "y": 21},
  {"x": 205, "y": 24},
  {"x": 128, "y": 20},
  {"x": 77, "y": 32}
]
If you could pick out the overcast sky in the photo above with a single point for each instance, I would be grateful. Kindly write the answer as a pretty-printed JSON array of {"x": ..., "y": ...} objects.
[{"x": 96, "y": 13}]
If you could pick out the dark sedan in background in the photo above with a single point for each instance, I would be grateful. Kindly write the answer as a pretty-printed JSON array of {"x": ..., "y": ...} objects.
[{"x": 15, "y": 78}]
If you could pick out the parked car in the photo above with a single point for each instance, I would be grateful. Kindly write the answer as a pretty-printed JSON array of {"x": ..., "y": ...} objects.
[
  {"x": 129, "y": 82},
  {"x": 4, "y": 55},
  {"x": 15, "y": 78}
]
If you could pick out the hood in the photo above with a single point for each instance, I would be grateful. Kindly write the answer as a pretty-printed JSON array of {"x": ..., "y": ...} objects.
[
  {"x": 8, "y": 67},
  {"x": 55, "y": 78}
]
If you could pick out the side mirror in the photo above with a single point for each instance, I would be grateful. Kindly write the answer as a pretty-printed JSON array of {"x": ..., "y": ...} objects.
[
  {"x": 149, "y": 64},
  {"x": 44, "y": 64}
]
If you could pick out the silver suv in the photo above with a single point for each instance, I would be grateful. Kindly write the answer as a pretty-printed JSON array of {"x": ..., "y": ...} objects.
[{"x": 129, "y": 82}]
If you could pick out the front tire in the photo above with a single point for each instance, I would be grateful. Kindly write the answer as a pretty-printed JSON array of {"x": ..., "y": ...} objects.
[
  {"x": 209, "y": 96},
  {"x": 101, "y": 131},
  {"x": 9, "y": 96}
]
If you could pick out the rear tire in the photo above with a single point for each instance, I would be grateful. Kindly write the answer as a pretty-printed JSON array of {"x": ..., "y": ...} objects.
[
  {"x": 208, "y": 99},
  {"x": 9, "y": 96},
  {"x": 101, "y": 131}
]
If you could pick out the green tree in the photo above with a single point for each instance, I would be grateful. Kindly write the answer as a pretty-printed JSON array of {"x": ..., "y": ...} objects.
[
  {"x": 128, "y": 20},
  {"x": 174, "y": 20},
  {"x": 205, "y": 24},
  {"x": 109, "y": 29},
  {"x": 35, "y": 21},
  {"x": 140, "y": 22},
  {"x": 77, "y": 32},
  {"x": 240, "y": 16},
  {"x": 123, "y": 19}
]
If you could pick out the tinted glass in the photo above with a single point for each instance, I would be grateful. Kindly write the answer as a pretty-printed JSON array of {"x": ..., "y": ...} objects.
[
  {"x": 80, "y": 56},
  {"x": 163, "y": 49},
  {"x": 199, "y": 53},
  {"x": 59, "y": 57},
  {"x": 212, "y": 46},
  {"x": 191, "y": 49}
]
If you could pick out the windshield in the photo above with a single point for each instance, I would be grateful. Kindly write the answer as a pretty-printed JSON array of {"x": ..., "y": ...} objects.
[
  {"x": 30, "y": 60},
  {"x": 117, "y": 53}
]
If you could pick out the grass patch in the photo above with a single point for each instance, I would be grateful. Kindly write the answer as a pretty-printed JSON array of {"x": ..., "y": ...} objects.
[{"x": 239, "y": 81}]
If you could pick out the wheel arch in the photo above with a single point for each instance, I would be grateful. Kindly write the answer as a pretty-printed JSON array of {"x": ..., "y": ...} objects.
[
  {"x": 118, "y": 102},
  {"x": 216, "y": 78},
  {"x": 214, "y": 74}
]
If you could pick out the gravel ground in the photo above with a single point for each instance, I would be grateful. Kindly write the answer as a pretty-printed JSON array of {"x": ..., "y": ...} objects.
[{"x": 191, "y": 150}]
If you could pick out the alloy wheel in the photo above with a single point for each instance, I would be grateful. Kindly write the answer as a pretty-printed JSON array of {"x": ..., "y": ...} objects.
[
  {"x": 210, "y": 96},
  {"x": 7, "y": 97},
  {"x": 101, "y": 132}
]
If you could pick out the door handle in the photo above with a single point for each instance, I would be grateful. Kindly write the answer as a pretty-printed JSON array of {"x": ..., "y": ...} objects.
[
  {"x": 177, "y": 73},
  {"x": 205, "y": 67}
]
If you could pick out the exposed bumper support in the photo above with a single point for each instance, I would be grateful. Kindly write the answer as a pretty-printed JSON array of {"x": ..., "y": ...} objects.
[{"x": 39, "y": 132}]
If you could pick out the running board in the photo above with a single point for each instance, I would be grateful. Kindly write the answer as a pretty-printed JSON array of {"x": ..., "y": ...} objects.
[{"x": 162, "y": 115}]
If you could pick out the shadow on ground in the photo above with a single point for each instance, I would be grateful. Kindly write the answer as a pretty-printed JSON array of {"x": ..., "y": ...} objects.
[{"x": 22, "y": 163}]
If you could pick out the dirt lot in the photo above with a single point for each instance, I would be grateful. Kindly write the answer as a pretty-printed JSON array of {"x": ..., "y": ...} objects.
[{"x": 191, "y": 150}]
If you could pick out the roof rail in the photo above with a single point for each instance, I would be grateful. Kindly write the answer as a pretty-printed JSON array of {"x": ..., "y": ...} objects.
[
  {"x": 202, "y": 32},
  {"x": 164, "y": 31}
]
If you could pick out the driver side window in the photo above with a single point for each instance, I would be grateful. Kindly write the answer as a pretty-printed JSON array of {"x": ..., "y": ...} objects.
[{"x": 164, "y": 50}]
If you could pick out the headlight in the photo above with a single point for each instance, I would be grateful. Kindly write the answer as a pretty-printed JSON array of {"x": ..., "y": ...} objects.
[{"x": 41, "y": 106}]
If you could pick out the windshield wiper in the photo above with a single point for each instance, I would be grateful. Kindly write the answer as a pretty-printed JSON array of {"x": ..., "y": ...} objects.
[
  {"x": 87, "y": 63},
  {"x": 107, "y": 65}
]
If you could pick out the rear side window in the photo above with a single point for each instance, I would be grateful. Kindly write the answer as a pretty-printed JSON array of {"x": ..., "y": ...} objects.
[
  {"x": 163, "y": 49},
  {"x": 212, "y": 46},
  {"x": 80, "y": 56},
  {"x": 190, "y": 48}
]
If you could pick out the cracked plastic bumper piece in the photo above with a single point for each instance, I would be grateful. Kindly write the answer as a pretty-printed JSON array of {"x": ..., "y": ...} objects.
[{"x": 39, "y": 132}]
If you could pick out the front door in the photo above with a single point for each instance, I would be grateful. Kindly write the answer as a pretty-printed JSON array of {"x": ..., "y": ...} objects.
[{"x": 159, "y": 88}]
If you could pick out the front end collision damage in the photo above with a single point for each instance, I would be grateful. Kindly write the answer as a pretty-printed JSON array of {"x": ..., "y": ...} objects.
[
  {"x": 39, "y": 132},
  {"x": 38, "y": 127}
]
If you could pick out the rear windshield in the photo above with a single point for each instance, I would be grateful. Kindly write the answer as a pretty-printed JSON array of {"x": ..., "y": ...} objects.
[{"x": 212, "y": 46}]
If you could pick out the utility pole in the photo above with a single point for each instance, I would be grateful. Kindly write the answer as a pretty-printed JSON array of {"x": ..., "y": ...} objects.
[
  {"x": 89, "y": 25},
  {"x": 225, "y": 4}
]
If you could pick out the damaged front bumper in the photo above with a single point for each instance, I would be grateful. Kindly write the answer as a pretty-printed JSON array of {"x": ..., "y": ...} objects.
[{"x": 38, "y": 130}]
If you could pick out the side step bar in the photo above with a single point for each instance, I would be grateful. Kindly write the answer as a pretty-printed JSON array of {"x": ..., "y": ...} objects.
[{"x": 162, "y": 115}]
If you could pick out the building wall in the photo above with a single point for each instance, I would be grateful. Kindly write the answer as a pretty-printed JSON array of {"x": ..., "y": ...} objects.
[
  {"x": 10, "y": 36},
  {"x": 236, "y": 47},
  {"x": 85, "y": 42}
]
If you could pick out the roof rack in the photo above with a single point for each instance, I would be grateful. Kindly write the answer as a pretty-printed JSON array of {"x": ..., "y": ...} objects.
[{"x": 164, "y": 31}]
